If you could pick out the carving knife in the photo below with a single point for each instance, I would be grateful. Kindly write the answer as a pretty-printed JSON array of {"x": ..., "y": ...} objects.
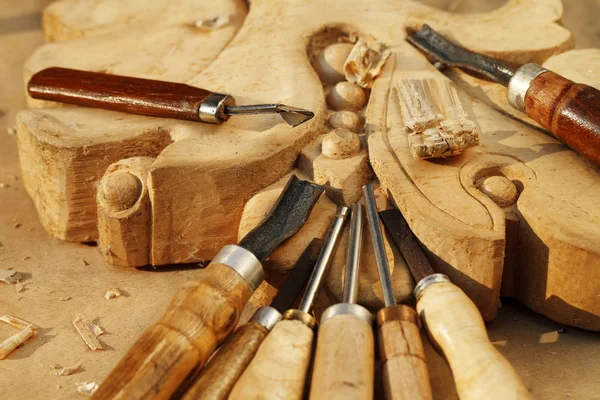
[
  {"x": 205, "y": 311},
  {"x": 405, "y": 374},
  {"x": 148, "y": 97},
  {"x": 571, "y": 111},
  {"x": 223, "y": 370},
  {"x": 279, "y": 368},
  {"x": 345, "y": 345},
  {"x": 455, "y": 325}
]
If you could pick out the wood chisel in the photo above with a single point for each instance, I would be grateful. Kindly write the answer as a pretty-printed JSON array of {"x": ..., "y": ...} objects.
[
  {"x": 345, "y": 345},
  {"x": 225, "y": 367},
  {"x": 148, "y": 97},
  {"x": 405, "y": 374},
  {"x": 571, "y": 111},
  {"x": 279, "y": 368},
  {"x": 205, "y": 311},
  {"x": 455, "y": 325}
]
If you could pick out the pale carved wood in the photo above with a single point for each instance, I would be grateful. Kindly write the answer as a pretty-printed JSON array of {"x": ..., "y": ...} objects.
[{"x": 204, "y": 174}]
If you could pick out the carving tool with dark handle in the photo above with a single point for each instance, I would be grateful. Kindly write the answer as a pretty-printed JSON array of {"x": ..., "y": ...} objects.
[
  {"x": 571, "y": 111},
  {"x": 225, "y": 367},
  {"x": 205, "y": 311},
  {"x": 345, "y": 346},
  {"x": 279, "y": 368},
  {"x": 455, "y": 325},
  {"x": 404, "y": 368},
  {"x": 148, "y": 97}
]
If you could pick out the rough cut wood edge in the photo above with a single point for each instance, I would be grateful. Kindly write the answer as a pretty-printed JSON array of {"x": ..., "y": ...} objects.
[{"x": 124, "y": 234}]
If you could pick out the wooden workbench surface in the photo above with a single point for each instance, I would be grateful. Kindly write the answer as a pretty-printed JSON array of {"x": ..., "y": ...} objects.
[{"x": 553, "y": 365}]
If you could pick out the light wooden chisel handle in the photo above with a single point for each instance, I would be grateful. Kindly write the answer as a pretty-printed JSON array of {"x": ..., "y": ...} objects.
[
  {"x": 199, "y": 318},
  {"x": 404, "y": 368},
  {"x": 223, "y": 370},
  {"x": 344, "y": 361},
  {"x": 571, "y": 111},
  {"x": 456, "y": 327},
  {"x": 278, "y": 370}
]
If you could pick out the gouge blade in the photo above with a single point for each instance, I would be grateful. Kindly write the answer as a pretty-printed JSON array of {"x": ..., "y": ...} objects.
[
  {"x": 294, "y": 284},
  {"x": 292, "y": 115},
  {"x": 453, "y": 55},
  {"x": 394, "y": 222},
  {"x": 287, "y": 216}
]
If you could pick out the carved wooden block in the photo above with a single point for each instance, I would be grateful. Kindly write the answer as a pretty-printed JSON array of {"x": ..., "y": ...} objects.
[{"x": 544, "y": 246}]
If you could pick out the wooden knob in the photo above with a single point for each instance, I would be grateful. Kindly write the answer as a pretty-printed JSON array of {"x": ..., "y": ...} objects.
[
  {"x": 455, "y": 325},
  {"x": 199, "y": 318},
  {"x": 222, "y": 372},
  {"x": 278, "y": 370},
  {"x": 405, "y": 374},
  {"x": 571, "y": 111},
  {"x": 119, "y": 191},
  {"x": 118, "y": 93},
  {"x": 344, "y": 361}
]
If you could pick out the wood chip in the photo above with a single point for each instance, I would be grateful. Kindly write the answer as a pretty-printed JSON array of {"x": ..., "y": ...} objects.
[
  {"x": 85, "y": 263},
  {"x": 17, "y": 225},
  {"x": 87, "y": 388},
  {"x": 9, "y": 277},
  {"x": 65, "y": 298},
  {"x": 211, "y": 24},
  {"x": 86, "y": 331},
  {"x": 64, "y": 371},
  {"x": 365, "y": 61},
  {"x": 97, "y": 330},
  {"x": 25, "y": 258},
  {"x": 4, "y": 185},
  {"x": 112, "y": 293},
  {"x": 28, "y": 330},
  {"x": 12, "y": 130},
  {"x": 19, "y": 288}
]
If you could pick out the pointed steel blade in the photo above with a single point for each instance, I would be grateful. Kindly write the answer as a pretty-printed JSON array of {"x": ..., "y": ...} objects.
[
  {"x": 448, "y": 53},
  {"x": 292, "y": 115}
]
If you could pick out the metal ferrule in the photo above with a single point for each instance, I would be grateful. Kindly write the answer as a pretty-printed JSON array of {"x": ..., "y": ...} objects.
[
  {"x": 212, "y": 108},
  {"x": 429, "y": 280},
  {"x": 347, "y": 309},
  {"x": 299, "y": 315},
  {"x": 243, "y": 262},
  {"x": 519, "y": 84},
  {"x": 399, "y": 312},
  {"x": 267, "y": 317}
]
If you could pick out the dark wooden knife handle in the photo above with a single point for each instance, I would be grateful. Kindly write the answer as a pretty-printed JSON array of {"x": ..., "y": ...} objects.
[
  {"x": 571, "y": 111},
  {"x": 118, "y": 93}
]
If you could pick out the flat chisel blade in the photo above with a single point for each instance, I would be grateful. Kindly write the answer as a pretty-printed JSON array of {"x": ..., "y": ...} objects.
[
  {"x": 294, "y": 284},
  {"x": 396, "y": 225},
  {"x": 287, "y": 216}
]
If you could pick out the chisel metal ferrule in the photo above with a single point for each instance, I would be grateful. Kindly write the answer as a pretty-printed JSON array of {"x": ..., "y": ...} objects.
[
  {"x": 266, "y": 316},
  {"x": 347, "y": 309},
  {"x": 428, "y": 281},
  {"x": 243, "y": 262},
  {"x": 212, "y": 109},
  {"x": 519, "y": 84},
  {"x": 301, "y": 316}
]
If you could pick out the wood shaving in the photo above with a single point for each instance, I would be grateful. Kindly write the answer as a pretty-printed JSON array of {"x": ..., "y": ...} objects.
[
  {"x": 25, "y": 258},
  {"x": 87, "y": 388},
  {"x": 435, "y": 119},
  {"x": 12, "y": 130},
  {"x": 97, "y": 330},
  {"x": 112, "y": 293},
  {"x": 9, "y": 277},
  {"x": 86, "y": 331},
  {"x": 28, "y": 330},
  {"x": 211, "y": 24},
  {"x": 17, "y": 225},
  {"x": 64, "y": 371},
  {"x": 65, "y": 298},
  {"x": 365, "y": 61},
  {"x": 19, "y": 288}
]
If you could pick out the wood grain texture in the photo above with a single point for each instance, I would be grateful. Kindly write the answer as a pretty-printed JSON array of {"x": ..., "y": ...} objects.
[
  {"x": 571, "y": 111},
  {"x": 455, "y": 325},
  {"x": 200, "y": 316},
  {"x": 223, "y": 370},
  {"x": 344, "y": 360},
  {"x": 117, "y": 93},
  {"x": 404, "y": 367},
  {"x": 278, "y": 370}
]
